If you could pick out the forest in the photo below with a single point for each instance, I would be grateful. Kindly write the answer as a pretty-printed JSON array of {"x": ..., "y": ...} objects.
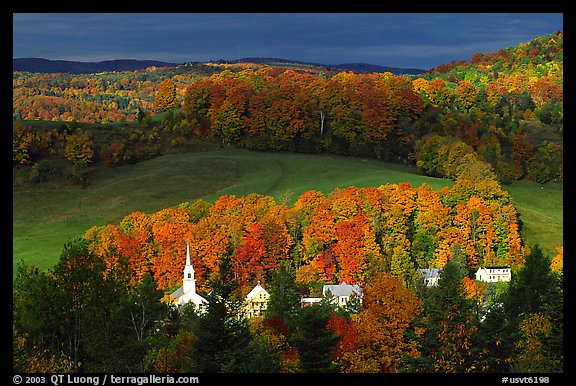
[
  {"x": 493, "y": 120},
  {"x": 505, "y": 106}
]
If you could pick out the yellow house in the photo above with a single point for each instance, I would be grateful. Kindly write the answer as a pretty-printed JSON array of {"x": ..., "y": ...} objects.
[{"x": 256, "y": 301}]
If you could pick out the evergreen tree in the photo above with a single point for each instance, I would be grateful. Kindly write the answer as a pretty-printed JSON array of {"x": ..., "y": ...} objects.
[
  {"x": 554, "y": 301},
  {"x": 447, "y": 343},
  {"x": 221, "y": 334},
  {"x": 79, "y": 280},
  {"x": 530, "y": 286},
  {"x": 34, "y": 319},
  {"x": 493, "y": 341},
  {"x": 315, "y": 342},
  {"x": 284, "y": 295},
  {"x": 86, "y": 312},
  {"x": 535, "y": 293},
  {"x": 142, "y": 313}
]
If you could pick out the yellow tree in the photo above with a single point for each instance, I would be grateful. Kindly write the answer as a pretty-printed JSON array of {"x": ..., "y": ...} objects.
[
  {"x": 78, "y": 148},
  {"x": 557, "y": 264},
  {"x": 466, "y": 95},
  {"x": 530, "y": 346},
  {"x": 165, "y": 98}
]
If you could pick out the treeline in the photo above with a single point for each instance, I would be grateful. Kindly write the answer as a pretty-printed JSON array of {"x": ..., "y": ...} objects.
[
  {"x": 525, "y": 81},
  {"x": 348, "y": 235},
  {"x": 353, "y": 114},
  {"x": 104, "y": 97},
  {"x": 370, "y": 115}
]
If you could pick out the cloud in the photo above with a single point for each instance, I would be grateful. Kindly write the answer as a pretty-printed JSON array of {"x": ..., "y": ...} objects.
[{"x": 396, "y": 39}]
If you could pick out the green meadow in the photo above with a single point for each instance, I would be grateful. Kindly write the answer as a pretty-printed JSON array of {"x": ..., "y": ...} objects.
[{"x": 47, "y": 215}]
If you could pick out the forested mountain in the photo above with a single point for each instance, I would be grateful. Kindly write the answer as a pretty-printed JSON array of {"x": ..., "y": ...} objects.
[
  {"x": 40, "y": 65},
  {"x": 75, "y": 67}
]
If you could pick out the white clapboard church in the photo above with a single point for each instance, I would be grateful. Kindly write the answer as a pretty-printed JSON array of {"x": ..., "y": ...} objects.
[{"x": 187, "y": 293}]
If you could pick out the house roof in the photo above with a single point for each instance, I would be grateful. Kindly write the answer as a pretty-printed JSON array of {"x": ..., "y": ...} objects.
[
  {"x": 189, "y": 296},
  {"x": 255, "y": 291},
  {"x": 495, "y": 267},
  {"x": 178, "y": 292},
  {"x": 343, "y": 289},
  {"x": 430, "y": 273}
]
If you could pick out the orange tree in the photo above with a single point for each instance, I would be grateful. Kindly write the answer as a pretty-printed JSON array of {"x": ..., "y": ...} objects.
[{"x": 377, "y": 342}]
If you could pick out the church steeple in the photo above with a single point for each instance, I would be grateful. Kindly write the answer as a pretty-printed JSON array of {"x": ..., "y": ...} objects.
[{"x": 188, "y": 283}]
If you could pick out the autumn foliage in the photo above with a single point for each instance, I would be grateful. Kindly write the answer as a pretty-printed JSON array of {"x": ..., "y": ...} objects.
[
  {"x": 165, "y": 98},
  {"x": 348, "y": 236}
]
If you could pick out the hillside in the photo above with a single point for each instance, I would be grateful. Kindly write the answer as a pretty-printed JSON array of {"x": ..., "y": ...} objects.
[
  {"x": 509, "y": 118},
  {"x": 41, "y": 230}
]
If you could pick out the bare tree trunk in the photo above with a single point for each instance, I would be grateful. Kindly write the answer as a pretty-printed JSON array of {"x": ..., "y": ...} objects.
[{"x": 322, "y": 116}]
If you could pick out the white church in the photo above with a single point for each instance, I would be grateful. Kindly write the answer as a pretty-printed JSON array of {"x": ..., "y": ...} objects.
[{"x": 187, "y": 293}]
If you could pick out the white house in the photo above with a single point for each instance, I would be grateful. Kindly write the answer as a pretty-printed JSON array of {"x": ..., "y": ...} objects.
[
  {"x": 187, "y": 293},
  {"x": 494, "y": 274},
  {"x": 430, "y": 275},
  {"x": 256, "y": 302},
  {"x": 342, "y": 292}
]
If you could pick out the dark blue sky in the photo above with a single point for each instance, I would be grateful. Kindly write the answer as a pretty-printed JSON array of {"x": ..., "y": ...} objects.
[{"x": 419, "y": 40}]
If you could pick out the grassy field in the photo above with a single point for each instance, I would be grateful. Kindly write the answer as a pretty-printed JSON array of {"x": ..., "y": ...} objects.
[
  {"x": 47, "y": 215},
  {"x": 541, "y": 209}
]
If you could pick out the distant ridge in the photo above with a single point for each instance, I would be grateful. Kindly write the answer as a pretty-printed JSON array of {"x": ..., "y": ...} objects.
[
  {"x": 41, "y": 65},
  {"x": 354, "y": 67},
  {"x": 364, "y": 67},
  {"x": 74, "y": 67}
]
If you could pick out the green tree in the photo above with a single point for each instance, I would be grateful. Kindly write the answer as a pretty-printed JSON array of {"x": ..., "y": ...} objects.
[
  {"x": 529, "y": 286},
  {"x": 547, "y": 164},
  {"x": 494, "y": 341},
  {"x": 142, "y": 313},
  {"x": 315, "y": 342},
  {"x": 221, "y": 334},
  {"x": 447, "y": 327},
  {"x": 536, "y": 292},
  {"x": 87, "y": 312},
  {"x": 37, "y": 331},
  {"x": 284, "y": 295},
  {"x": 77, "y": 281}
]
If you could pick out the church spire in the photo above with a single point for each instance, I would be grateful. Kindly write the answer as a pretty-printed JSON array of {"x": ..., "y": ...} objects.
[
  {"x": 188, "y": 254},
  {"x": 189, "y": 282}
]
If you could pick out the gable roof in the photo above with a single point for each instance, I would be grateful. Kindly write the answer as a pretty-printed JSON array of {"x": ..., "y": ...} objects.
[
  {"x": 255, "y": 291},
  {"x": 494, "y": 267},
  {"x": 430, "y": 273},
  {"x": 178, "y": 292},
  {"x": 342, "y": 289}
]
